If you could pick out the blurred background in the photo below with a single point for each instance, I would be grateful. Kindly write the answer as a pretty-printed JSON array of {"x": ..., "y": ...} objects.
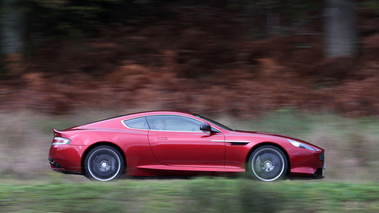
[
  {"x": 305, "y": 68},
  {"x": 235, "y": 57}
]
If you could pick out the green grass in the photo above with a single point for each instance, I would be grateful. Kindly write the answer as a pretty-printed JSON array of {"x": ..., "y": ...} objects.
[{"x": 194, "y": 195}]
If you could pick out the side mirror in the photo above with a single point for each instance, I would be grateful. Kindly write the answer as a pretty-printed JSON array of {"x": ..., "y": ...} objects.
[{"x": 205, "y": 127}]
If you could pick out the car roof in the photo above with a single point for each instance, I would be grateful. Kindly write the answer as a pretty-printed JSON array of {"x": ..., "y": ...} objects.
[
  {"x": 158, "y": 112},
  {"x": 114, "y": 121}
]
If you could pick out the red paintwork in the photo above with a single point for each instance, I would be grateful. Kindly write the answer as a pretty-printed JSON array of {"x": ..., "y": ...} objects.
[{"x": 152, "y": 152}]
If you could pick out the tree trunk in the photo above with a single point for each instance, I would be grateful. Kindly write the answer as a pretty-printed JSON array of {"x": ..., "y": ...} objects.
[
  {"x": 340, "y": 28},
  {"x": 12, "y": 32},
  {"x": 273, "y": 23},
  {"x": 12, "y": 27}
]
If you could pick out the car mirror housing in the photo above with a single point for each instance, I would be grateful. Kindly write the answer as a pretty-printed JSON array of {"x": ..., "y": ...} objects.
[{"x": 205, "y": 127}]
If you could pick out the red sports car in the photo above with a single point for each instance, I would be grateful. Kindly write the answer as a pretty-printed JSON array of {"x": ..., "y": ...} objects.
[{"x": 167, "y": 143}]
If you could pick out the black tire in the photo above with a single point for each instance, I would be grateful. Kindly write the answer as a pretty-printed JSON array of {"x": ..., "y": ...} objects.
[
  {"x": 103, "y": 163},
  {"x": 267, "y": 163}
]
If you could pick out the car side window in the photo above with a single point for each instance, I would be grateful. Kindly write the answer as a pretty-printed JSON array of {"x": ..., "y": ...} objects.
[
  {"x": 136, "y": 123},
  {"x": 173, "y": 123}
]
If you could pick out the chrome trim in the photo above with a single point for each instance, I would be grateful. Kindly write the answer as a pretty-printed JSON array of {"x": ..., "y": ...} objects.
[
  {"x": 223, "y": 141},
  {"x": 162, "y": 130}
]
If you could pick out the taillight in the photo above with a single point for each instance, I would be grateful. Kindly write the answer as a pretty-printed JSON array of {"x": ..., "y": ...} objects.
[{"x": 60, "y": 141}]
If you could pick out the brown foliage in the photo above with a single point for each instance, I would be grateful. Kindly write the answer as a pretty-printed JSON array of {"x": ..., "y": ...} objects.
[{"x": 202, "y": 63}]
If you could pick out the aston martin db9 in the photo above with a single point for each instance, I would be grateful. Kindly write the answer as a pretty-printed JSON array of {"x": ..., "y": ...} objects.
[{"x": 168, "y": 143}]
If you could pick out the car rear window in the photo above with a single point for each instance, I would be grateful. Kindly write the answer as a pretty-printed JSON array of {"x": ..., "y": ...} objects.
[{"x": 136, "y": 123}]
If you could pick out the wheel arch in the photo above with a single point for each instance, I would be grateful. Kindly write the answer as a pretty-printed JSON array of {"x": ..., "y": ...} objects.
[
  {"x": 272, "y": 144},
  {"x": 101, "y": 144}
]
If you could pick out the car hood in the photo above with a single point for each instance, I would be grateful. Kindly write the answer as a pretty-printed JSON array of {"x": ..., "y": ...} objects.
[
  {"x": 256, "y": 133},
  {"x": 265, "y": 133}
]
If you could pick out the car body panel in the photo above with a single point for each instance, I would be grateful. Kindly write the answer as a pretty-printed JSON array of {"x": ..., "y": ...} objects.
[
  {"x": 154, "y": 152},
  {"x": 194, "y": 149}
]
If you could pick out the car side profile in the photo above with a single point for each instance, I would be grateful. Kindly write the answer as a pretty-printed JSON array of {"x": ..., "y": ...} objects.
[{"x": 169, "y": 143}]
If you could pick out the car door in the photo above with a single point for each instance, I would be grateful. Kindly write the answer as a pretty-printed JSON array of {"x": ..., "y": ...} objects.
[{"x": 178, "y": 141}]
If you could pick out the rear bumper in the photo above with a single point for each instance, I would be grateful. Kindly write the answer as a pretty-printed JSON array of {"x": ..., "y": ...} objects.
[
  {"x": 58, "y": 168},
  {"x": 66, "y": 158}
]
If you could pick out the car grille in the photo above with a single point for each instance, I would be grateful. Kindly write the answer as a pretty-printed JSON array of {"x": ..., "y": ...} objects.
[{"x": 322, "y": 156}]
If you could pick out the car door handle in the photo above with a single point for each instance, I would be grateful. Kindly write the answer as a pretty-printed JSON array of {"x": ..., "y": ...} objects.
[{"x": 161, "y": 138}]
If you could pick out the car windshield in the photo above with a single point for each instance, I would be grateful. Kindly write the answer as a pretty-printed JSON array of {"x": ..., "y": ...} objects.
[{"x": 213, "y": 122}]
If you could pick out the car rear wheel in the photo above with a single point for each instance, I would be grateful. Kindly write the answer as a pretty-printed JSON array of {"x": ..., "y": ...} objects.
[
  {"x": 267, "y": 163},
  {"x": 103, "y": 163}
]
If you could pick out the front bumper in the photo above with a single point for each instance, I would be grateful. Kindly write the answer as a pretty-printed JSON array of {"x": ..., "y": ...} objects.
[
  {"x": 308, "y": 164},
  {"x": 318, "y": 174}
]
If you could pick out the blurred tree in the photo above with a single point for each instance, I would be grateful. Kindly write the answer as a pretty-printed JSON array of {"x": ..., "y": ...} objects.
[
  {"x": 25, "y": 24},
  {"x": 12, "y": 26},
  {"x": 276, "y": 17},
  {"x": 12, "y": 33},
  {"x": 75, "y": 18},
  {"x": 340, "y": 28}
]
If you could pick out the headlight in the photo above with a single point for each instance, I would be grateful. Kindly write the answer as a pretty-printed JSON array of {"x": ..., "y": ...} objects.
[
  {"x": 60, "y": 141},
  {"x": 301, "y": 145}
]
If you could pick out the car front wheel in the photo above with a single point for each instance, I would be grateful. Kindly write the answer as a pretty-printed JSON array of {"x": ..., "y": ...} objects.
[
  {"x": 103, "y": 163},
  {"x": 267, "y": 163}
]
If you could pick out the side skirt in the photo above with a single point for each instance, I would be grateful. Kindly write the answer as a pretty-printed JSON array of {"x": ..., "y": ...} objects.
[{"x": 193, "y": 168}]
